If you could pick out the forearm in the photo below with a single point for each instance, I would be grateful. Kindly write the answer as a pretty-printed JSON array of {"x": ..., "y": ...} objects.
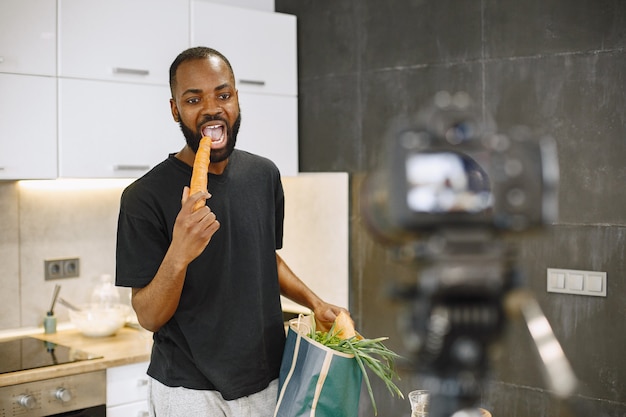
[
  {"x": 296, "y": 290},
  {"x": 293, "y": 288},
  {"x": 156, "y": 303}
]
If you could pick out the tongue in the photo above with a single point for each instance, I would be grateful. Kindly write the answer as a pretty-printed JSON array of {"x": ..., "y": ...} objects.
[{"x": 215, "y": 133}]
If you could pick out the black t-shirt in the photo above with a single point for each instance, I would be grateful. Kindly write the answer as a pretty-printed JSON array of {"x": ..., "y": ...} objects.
[{"x": 227, "y": 333}]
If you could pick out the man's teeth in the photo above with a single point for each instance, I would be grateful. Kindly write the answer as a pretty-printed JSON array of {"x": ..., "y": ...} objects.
[{"x": 214, "y": 132}]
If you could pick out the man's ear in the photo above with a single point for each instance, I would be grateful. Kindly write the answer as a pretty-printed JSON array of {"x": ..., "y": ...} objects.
[{"x": 174, "y": 110}]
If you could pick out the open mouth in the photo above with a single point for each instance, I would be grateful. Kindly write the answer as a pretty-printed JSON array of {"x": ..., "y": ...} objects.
[{"x": 217, "y": 133}]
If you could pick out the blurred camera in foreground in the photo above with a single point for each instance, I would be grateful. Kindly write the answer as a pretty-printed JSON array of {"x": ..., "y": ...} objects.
[
  {"x": 450, "y": 192},
  {"x": 448, "y": 168}
]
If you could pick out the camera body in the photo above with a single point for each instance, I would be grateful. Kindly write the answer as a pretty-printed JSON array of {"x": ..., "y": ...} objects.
[{"x": 446, "y": 170}]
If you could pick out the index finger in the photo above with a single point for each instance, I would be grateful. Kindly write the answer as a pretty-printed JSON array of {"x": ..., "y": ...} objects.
[
  {"x": 193, "y": 200},
  {"x": 185, "y": 195}
]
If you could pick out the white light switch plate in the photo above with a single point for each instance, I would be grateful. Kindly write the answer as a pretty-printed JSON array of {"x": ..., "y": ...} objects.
[{"x": 570, "y": 281}]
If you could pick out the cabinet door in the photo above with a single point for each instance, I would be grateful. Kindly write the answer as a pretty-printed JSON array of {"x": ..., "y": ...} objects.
[
  {"x": 123, "y": 40},
  {"x": 260, "y": 46},
  {"x": 28, "y": 145},
  {"x": 269, "y": 127},
  {"x": 114, "y": 129},
  {"x": 28, "y": 36},
  {"x": 139, "y": 409},
  {"x": 127, "y": 384}
]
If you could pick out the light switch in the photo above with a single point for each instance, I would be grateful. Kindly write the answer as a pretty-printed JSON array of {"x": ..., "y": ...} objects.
[
  {"x": 570, "y": 281},
  {"x": 594, "y": 283},
  {"x": 575, "y": 281},
  {"x": 558, "y": 280}
]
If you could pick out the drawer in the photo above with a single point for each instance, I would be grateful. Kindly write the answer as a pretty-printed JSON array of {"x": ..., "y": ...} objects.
[
  {"x": 136, "y": 409},
  {"x": 127, "y": 384}
]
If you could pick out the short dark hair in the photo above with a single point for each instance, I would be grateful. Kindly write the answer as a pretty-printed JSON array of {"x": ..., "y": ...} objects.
[{"x": 198, "y": 52}]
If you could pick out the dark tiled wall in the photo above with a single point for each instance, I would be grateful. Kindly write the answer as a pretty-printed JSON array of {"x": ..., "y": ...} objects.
[{"x": 555, "y": 65}]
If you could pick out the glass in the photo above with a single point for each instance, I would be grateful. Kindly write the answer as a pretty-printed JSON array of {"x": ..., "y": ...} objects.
[{"x": 419, "y": 403}]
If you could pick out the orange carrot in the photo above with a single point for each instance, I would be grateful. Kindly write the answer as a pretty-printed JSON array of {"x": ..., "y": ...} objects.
[{"x": 200, "y": 173}]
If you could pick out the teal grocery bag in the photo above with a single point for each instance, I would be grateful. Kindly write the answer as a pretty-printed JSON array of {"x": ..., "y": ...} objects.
[{"x": 316, "y": 381}]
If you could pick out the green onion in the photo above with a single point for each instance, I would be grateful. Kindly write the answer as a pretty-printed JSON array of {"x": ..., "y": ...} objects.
[{"x": 367, "y": 352}]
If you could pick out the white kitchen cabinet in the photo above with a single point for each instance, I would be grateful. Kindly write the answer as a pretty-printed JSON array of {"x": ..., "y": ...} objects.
[
  {"x": 260, "y": 46},
  {"x": 28, "y": 127},
  {"x": 109, "y": 130},
  {"x": 139, "y": 409},
  {"x": 106, "y": 90},
  {"x": 28, "y": 37},
  {"x": 269, "y": 127},
  {"x": 127, "y": 390},
  {"x": 121, "y": 40},
  {"x": 267, "y": 5}
]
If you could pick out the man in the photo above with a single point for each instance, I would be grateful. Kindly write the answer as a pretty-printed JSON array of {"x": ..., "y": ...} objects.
[{"x": 208, "y": 282}]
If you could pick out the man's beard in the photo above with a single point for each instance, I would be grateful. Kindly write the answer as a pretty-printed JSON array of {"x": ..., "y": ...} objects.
[{"x": 217, "y": 155}]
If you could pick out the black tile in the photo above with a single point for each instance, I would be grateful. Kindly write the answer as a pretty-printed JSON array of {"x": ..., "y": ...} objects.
[
  {"x": 327, "y": 36},
  {"x": 539, "y": 27},
  {"x": 523, "y": 401},
  {"x": 587, "y": 327},
  {"x": 580, "y": 101},
  {"x": 329, "y": 124},
  {"x": 392, "y": 95},
  {"x": 398, "y": 33}
]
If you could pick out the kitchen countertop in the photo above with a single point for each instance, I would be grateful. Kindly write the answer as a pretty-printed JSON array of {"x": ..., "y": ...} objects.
[{"x": 128, "y": 346}]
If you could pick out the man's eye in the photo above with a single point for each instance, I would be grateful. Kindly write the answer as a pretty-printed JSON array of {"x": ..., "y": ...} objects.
[
  {"x": 225, "y": 96},
  {"x": 192, "y": 100}
]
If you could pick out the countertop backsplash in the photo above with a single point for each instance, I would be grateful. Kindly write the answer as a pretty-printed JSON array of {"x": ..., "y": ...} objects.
[
  {"x": 39, "y": 223},
  {"x": 9, "y": 256}
]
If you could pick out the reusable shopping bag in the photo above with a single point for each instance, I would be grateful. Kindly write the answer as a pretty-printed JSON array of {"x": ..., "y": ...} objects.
[{"x": 316, "y": 381}]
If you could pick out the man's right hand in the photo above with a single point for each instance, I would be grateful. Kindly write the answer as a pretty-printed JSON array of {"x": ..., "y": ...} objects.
[{"x": 193, "y": 229}]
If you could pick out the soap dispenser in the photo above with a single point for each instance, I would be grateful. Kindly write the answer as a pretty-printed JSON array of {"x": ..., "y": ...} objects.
[{"x": 50, "y": 321}]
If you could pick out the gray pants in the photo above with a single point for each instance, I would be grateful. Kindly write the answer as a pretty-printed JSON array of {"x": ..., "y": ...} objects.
[{"x": 183, "y": 402}]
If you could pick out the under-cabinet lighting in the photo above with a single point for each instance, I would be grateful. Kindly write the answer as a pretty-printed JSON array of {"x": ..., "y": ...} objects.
[{"x": 69, "y": 184}]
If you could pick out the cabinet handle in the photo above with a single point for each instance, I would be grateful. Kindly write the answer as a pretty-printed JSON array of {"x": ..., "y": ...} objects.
[
  {"x": 253, "y": 82},
  {"x": 143, "y": 414},
  {"x": 1, "y": 168},
  {"x": 130, "y": 71},
  {"x": 1, "y": 59},
  {"x": 142, "y": 382},
  {"x": 131, "y": 167}
]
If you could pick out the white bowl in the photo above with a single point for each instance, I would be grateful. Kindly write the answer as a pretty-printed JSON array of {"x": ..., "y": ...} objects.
[{"x": 98, "y": 321}]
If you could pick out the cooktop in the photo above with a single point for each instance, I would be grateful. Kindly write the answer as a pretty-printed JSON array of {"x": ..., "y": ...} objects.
[{"x": 30, "y": 353}]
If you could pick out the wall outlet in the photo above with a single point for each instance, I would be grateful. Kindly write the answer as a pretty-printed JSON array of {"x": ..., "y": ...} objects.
[
  {"x": 571, "y": 281},
  {"x": 61, "y": 268}
]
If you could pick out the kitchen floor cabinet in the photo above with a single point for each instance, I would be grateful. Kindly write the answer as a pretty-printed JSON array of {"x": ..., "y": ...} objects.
[
  {"x": 110, "y": 130},
  {"x": 28, "y": 37},
  {"x": 127, "y": 390},
  {"x": 28, "y": 127},
  {"x": 121, "y": 40}
]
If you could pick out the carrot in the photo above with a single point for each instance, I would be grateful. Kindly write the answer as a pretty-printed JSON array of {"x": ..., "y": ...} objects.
[{"x": 200, "y": 173}]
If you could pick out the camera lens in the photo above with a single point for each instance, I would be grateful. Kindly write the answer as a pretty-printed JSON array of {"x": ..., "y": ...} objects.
[{"x": 460, "y": 132}]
